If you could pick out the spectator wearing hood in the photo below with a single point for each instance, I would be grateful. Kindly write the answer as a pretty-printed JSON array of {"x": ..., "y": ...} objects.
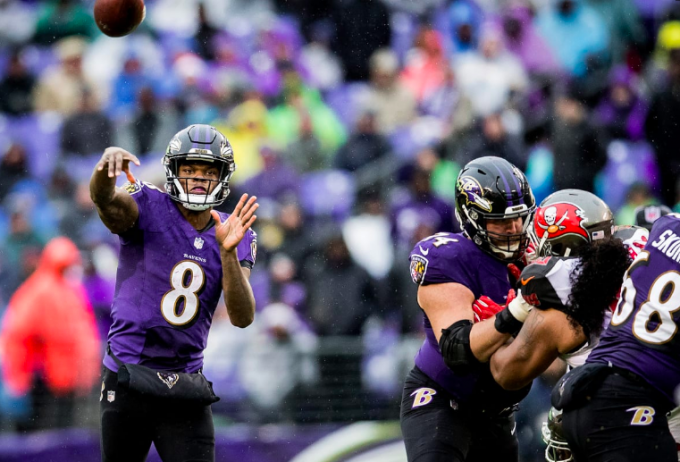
[
  {"x": 13, "y": 168},
  {"x": 668, "y": 39},
  {"x": 621, "y": 113},
  {"x": 623, "y": 24},
  {"x": 490, "y": 75},
  {"x": 16, "y": 88},
  {"x": 88, "y": 130},
  {"x": 393, "y": 102},
  {"x": 285, "y": 121},
  {"x": 490, "y": 137},
  {"x": 416, "y": 204},
  {"x": 426, "y": 64},
  {"x": 49, "y": 337},
  {"x": 465, "y": 18},
  {"x": 578, "y": 152},
  {"x": 575, "y": 32},
  {"x": 60, "y": 88},
  {"x": 522, "y": 40},
  {"x": 364, "y": 146},
  {"x": 662, "y": 131},
  {"x": 342, "y": 295},
  {"x": 277, "y": 181}
]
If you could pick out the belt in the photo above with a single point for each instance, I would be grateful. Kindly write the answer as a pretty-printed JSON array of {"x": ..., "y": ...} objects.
[{"x": 630, "y": 375}]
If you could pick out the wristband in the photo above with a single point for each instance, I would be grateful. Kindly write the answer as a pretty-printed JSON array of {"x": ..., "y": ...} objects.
[
  {"x": 510, "y": 320},
  {"x": 506, "y": 323},
  {"x": 519, "y": 308}
]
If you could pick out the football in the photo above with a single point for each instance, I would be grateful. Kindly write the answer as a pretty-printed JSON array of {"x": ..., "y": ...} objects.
[{"x": 117, "y": 18}]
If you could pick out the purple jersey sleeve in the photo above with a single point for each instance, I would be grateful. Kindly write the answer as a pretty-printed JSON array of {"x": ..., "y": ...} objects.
[
  {"x": 144, "y": 194},
  {"x": 247, "y": 248},
  {"x": 444, "y": 257}
]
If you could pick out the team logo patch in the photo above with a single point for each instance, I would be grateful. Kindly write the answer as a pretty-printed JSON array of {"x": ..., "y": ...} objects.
[
  {"x": 418, "y": 268},
  {"x": 423, "y": 397},
  {"x": 132, "y": 188},
  {"x": 253, "y": 249},
  {"x": 168, "y": 378},
  {"x": 532, "y": 299},
  {"x": 473, "y": 192},
  {"x": 652, "y": 214},
  {"x": 542, "y": 261},
  {"x": 175, "y": 145},
  {"x": 644, "y": 415},
  {"x": 198, "y": 243},
  {"x": 110, "y": 396},
  {"x": 560, "y": 219}
]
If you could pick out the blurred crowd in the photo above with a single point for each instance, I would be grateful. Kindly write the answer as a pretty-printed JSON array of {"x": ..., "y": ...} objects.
[{"x": 350, "y": 120}]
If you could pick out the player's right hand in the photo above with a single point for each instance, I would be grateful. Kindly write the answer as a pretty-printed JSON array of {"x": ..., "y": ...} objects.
[
  {"x": 485, "y": 308},
  {"x": 117, "y": 160}
]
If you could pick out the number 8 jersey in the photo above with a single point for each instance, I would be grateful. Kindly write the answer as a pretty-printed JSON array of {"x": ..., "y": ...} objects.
[
  {"x": 168, "y": 285},
  {"x": 643, "y": 336}
]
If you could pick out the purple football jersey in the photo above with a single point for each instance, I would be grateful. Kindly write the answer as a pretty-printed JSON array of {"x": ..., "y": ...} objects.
[
  {"x": 642, "y": 336},
  {"x": 449, "y": 257},
  {"x": 168, "y": 284}
]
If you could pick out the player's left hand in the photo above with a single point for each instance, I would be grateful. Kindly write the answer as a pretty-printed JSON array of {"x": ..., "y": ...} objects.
[{"x": 230, "y": 232}]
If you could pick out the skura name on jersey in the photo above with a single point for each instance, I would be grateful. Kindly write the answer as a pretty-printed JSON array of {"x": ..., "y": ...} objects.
[{"x": 669, "y": 244}]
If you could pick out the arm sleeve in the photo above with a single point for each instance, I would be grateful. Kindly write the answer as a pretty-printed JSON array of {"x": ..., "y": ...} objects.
[{"x": 247, "y": 250}]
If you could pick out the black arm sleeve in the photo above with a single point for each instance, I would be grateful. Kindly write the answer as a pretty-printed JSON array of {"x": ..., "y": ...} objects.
[{"x": 454, "y": 345}]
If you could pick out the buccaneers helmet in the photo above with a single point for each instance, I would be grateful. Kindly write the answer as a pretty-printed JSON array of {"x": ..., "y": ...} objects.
[
  {"x": 199, "y": 143},
  {"x": 568, "y": 219},
  {"x": 491, "y": 188}
]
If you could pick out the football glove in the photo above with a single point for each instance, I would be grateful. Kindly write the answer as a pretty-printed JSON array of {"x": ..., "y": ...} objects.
[{"x": 485, "y": 308}]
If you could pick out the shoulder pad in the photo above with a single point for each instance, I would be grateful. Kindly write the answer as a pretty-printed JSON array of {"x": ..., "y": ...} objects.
[
  {"x": 629, "y": 234},
  {"x": 547, "y": 282},
  {"x": 132, "y": 188},
  {"x": 137, "y": 186},
  {"x": 438, "y": 258}
]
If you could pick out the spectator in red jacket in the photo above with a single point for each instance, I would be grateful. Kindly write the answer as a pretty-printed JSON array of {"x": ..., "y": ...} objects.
[{"x": 49, "y": 338}]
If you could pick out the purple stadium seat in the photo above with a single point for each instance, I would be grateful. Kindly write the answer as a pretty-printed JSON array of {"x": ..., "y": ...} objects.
[
  {"x": 40, "y": 135},
  {"x": 4, "y": 60},
  {"x": 37, "y": 59},
  {"x": 627, "y": 163},
  {"x": 404, "y": 29},
  {"x": 173, "y": 45},
  {"x": 346, "y": 101},
  {"x": 404, "y": 144},
  {"x": 328, "y": 193}
]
